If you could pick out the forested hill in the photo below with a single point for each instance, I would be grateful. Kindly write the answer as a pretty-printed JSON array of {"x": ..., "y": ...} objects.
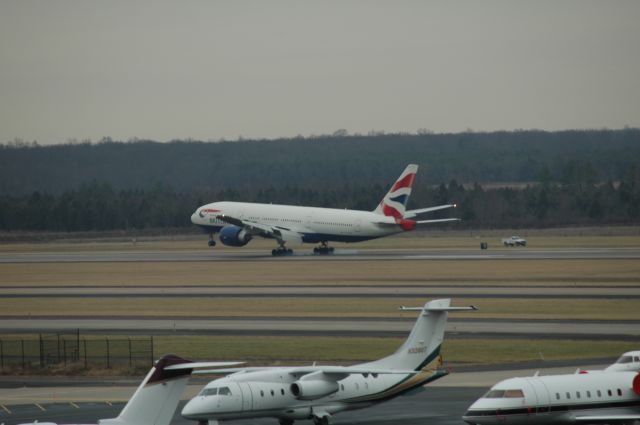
[{"x": 321, "y": 163}]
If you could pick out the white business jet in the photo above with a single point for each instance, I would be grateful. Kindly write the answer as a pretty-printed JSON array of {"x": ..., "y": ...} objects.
[
  {"x": 157, "y": 397},
  {"x": 318, "y": 392},
  {"x": 585, "y": 397},
  {"x": 239, "y": 222}
]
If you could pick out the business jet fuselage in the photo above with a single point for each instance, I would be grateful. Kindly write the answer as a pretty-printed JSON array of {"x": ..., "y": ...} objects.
[
  {"x": 239, "y": 222},
  {"x": 318, "y": 392},
  {"x": 586, "y": 397}
]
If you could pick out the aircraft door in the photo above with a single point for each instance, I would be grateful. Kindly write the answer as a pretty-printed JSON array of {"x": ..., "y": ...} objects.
[
  {"x": 356, "y": 226},
  {"x": 542, "y": 393},
  {"x": 247, "y": 396}
]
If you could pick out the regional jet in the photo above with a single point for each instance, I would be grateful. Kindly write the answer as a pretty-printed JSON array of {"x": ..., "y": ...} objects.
[
  {"x": 239, "y": 222},
  {"x": 318, "y": 392},
  {"x": 157, "y": 397},
  {"x": 603, "y": 396}
]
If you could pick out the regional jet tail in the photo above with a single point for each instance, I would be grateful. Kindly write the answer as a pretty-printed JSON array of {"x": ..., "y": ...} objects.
[
  {"x": 319, "y": 392},
  {"x": 239, "y": 222},
  {"x": 157, "y": 397}
]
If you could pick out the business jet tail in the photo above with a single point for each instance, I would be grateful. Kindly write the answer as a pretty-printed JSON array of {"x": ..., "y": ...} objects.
[
  {"x": 157, "y": 397},
  {"x": 395, "y": 201},
  {"x": 424, "y": 342}
]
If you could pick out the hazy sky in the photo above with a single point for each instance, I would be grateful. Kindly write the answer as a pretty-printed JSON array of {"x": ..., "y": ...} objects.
[{"x": 213, "y": 69}]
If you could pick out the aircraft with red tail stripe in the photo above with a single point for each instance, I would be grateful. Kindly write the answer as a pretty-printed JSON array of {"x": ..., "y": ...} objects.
[{"x": 237, "y": 223}]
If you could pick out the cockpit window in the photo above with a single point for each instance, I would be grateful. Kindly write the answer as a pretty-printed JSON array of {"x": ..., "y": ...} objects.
[
  {"x": 494, "y": 394},
  {"x": 625, "y": 359},
  {"x": 209, "y": 392},
  {"x": 224, "y": 391},
  {"x": 513, "y": 394},
  {"x": 504, "y": 394}
]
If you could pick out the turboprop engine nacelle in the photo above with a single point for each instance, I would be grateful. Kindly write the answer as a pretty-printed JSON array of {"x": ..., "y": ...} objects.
[
  {"x": 312, "y": 389},
  {"x": 234, "y": 236}
]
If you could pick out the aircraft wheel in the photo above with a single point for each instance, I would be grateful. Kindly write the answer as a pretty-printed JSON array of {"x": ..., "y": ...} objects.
[
  {"x": 316, "y": 250},
  {"x": 286, "y": 421},
  {"x": 289, "y": 251},
  {"x": 212, "y": 243}
]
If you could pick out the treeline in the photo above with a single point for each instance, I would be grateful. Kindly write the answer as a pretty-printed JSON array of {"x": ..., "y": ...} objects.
[
  {"x": 323, "y": 164},
  {"x": 98, "y": 206}
]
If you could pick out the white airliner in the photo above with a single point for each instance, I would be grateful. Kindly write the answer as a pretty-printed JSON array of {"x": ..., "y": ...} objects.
[
  {"x": 318, "y": 392},
  {"x": 156, "y": 399},
  {"x": 239, "y": 222},
  {"x": 602, "y": 396}
]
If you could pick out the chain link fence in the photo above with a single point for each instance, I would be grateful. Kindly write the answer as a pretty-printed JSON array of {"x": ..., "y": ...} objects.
[{"x": 49, "y": 350}]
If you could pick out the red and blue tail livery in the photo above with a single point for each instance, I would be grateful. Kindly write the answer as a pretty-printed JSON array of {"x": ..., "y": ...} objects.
[{"x": 394, "y": 203}]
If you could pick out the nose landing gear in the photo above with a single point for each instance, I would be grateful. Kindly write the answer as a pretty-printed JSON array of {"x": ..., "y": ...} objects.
[{"x": 211, "y": 241}]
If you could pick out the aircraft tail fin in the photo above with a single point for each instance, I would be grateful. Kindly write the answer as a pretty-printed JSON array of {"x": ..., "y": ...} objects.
[
  {"x": 156, "y": 399},
  {"x": 394, "y": 203},
  {"x": 424, "y": 342}
]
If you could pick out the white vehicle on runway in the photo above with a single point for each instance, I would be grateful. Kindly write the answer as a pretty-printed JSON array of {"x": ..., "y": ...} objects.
[
  {"x": 318, "y": 392},
  {"x": 602, "y": 396},
  {"x": 514, "y": 241},
  {"x": 239, "y": 222},
  {"x": 156, "y": 399}
]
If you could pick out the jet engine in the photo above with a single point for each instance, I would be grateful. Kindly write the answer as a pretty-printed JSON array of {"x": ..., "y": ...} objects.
[
  {"x": 234, "y": 236},
  {"x": 312, "y": 389}
]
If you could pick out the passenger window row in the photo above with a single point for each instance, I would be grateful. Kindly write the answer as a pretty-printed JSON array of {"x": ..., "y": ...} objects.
[{"x": 588, "y": 394}]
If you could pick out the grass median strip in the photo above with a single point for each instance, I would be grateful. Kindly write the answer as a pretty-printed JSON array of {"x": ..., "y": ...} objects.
[
  {"x": 318, "y": 272},
  {"x": 500, "y": 308}
]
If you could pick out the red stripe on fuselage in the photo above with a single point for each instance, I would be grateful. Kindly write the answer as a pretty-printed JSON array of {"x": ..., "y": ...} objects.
[{"x": 406, "y": 181}]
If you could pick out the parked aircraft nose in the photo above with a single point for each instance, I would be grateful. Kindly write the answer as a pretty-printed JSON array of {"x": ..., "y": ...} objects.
[{"x": 193, "y": 409}]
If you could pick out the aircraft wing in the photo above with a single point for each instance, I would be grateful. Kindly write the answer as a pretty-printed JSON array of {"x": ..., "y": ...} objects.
[
  {"x": 332, "y": 372},
  {"x": 338, "y": 373},
  {"x": 608, "y": 418},
  {"x": 413, "y": 213},
  {"x": 197, "y": 365},
  {"x": 257, "y": 228}
]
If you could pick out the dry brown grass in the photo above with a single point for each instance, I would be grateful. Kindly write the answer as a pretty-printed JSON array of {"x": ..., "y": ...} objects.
[
  {"x": 319, "y": 272},
  {"x": 315, "y": 307}
]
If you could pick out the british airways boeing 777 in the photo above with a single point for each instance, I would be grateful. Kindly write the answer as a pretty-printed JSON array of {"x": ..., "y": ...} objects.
[{"x": 239, "y": 222}]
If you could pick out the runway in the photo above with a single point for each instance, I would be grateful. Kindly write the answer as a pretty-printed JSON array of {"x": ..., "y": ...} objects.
[
  {"x": 302, "y": 326},
  {"x": 242, "y": 254}
]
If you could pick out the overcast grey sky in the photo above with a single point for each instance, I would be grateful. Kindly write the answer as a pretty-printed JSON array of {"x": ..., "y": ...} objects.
[{"x": 212, "y": 69}]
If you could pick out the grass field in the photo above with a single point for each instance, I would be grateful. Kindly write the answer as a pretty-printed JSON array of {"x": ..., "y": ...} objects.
[
  {"x": 325, "y": 271},
  {"x": 589, "y": 309}
]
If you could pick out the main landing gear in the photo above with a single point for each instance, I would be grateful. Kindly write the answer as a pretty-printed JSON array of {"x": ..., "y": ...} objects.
[
  {"x": 323, "y": 249},
  {"x": 281, "y": 251},
  {"x": 211, "y": 241}
]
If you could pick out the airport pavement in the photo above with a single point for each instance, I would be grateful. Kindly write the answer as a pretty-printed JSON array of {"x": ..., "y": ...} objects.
[
  {"x": 242, "y": 254},
  {"x": 456, "y": 328},
  {"x": 440, "y": 403},
  {"x": 433, "y": 406}
]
